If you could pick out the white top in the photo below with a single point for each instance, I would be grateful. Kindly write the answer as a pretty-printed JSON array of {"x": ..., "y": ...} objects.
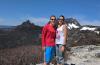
[{"x": 60, "y": 35}]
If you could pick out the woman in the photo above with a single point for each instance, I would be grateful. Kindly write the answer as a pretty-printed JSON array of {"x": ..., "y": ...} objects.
[
  {"x": 48, "y": 40},
  {"x": 61, "y": 40}
]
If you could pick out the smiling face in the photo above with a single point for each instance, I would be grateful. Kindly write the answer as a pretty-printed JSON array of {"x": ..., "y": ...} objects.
[
  {"x": 61, "y": 20},
  {"x": 52, "y": 20}
]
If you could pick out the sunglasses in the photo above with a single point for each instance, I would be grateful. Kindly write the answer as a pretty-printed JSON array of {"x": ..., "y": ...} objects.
[{"x": 52, "y": 19}]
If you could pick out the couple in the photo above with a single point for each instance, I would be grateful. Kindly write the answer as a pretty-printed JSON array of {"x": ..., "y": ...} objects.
[{"x": 54, "y": 39}]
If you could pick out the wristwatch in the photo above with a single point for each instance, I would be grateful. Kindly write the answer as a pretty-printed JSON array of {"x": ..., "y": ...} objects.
[{"x": 63, "y": 45}]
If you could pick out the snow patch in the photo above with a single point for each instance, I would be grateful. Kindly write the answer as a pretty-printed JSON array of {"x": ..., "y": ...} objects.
[
  {"x": 91, "y": 29},
  {"x": 98, "y": 32},
  {"x": 70, "y": 26},
  {"x": 88, "y": 28}
]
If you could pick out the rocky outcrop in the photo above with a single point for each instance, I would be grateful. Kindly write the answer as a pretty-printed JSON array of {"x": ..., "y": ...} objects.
[
  {"x": 84, "y": 55},
  {"x": 25, "y": 34},
  {"x": 82, "y": 35}
]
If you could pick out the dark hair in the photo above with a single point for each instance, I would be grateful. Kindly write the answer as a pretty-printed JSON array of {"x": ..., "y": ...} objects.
[{"x": 62, "y": 16}]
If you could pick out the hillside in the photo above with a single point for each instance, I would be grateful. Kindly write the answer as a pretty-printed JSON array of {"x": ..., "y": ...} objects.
[
  {"x": 82, "y": 35},
  {"x": 21, "y": 45},
  {"x": 25, "y": 34}
]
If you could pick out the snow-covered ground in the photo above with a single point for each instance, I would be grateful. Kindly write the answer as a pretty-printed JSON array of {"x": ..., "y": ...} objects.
[
  {"x": 90, "y": 29},
  {"x": 84, "y": 28}
]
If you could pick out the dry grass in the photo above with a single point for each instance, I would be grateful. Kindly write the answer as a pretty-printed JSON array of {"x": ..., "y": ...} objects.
[{"x": 22, "y": 55}]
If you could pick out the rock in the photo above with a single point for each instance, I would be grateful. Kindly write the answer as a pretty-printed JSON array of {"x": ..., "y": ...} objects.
[
  {"x": 53, "y": 64},
  {"x": 97, "y": 55},
  {"x": 84, "y": 55},
  {"x": 42, "y": 64}
]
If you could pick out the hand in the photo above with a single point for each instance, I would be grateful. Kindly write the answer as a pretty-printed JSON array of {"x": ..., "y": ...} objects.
[
  {"x": 62, "y": 48},
  {"x": 43, "y": 48}
]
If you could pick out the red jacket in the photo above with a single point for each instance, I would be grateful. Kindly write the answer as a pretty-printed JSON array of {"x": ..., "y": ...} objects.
[{"x": 48, "y": 35}]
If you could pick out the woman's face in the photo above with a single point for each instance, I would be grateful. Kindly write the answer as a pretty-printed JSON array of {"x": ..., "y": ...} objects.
[{"x": 61, "y": 20}]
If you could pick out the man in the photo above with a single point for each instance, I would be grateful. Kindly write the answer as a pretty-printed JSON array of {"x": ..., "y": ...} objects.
[{"x": 48, "y": 40}]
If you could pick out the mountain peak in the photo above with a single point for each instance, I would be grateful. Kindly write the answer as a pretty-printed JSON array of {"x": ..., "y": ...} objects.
[
  {"x": 72, "y": 23},
  {"x": 72, "y": 20}
]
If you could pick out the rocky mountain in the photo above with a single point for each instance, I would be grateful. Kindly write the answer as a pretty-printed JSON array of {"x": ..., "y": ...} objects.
[
  {"x": 28, "y": 32},
  {"x": 72, "y": 23},
  {"x": 25, "y": 34},
  {"x": 82, "y": 35}
]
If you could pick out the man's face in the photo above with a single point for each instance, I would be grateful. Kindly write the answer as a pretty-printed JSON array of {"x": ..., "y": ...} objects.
[{"x": 52, "y": 20}]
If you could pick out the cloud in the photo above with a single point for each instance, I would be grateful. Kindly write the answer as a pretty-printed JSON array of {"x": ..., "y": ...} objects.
[
  {"x": 87, "y": 22},
  {"x": 39, "y": 21},
  {"x": 9, "y": 22},
  {"x": 1, "y": 20},
  {"x": 83, "y": 20}
]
